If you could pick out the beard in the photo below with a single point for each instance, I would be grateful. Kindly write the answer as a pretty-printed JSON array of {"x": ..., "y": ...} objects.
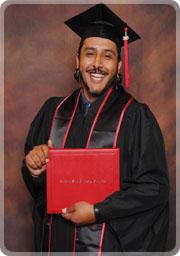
[{"x": 110, "y": 83}]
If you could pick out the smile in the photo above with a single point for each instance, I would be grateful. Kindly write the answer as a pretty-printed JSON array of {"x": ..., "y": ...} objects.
[{"x": 96, "y": 77}]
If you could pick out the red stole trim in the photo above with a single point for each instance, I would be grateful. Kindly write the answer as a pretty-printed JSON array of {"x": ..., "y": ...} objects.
[
  {"x": 49, "y": 239},
  {"x": 120, "y": 122}
]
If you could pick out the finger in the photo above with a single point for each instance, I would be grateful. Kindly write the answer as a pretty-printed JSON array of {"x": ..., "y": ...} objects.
[
  {"x": 37, "y": 172},
  {"x": 45, "y": 151},
  {"x": 30, "y": 162},
  {"x": 44, "y": 148},
  {"x": 40, "y": 154},
  {"x": 70, "y": 209},
  {"x": 64, "y": 210},
  {"x": 50, "y": 144},
  {"x": 35, "y": 157}
]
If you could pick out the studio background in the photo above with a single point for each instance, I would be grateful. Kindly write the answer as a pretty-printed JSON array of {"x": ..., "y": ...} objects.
[{"x": 39, "y": 63}]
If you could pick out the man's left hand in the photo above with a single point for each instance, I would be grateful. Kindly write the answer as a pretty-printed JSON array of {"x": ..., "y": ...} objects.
[{"x": 80, "y": 213}]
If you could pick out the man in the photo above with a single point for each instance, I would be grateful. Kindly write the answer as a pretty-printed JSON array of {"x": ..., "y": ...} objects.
[{"x": 136, "y": 216}]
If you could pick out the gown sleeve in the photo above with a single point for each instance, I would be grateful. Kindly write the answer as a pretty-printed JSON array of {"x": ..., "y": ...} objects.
[
  {"x": 144, "y": 175},
  {"x": 38, "y": 134}
]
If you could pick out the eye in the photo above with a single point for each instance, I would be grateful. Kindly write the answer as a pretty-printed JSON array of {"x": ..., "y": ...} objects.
[
  {"x": 108, "y": 56},
  {"x": 89, "y": 53}
]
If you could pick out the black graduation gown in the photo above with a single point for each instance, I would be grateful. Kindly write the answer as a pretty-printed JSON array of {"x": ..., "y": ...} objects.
[{"x": 137, "y": 215}]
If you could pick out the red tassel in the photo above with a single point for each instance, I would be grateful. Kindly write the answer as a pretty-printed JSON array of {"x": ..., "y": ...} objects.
[{"x": 126, "y": 66}]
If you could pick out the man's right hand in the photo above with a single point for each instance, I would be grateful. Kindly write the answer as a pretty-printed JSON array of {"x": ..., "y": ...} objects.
[{"x": 37, "y": 158}]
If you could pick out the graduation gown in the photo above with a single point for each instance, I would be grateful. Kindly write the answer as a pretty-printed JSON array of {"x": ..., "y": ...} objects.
[{"x": 137, "y": 215}]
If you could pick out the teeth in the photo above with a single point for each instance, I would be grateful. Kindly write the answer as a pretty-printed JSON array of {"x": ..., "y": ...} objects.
[{"x": 97, "y": 75}]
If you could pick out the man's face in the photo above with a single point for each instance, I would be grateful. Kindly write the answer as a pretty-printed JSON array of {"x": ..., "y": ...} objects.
[{"x": 98, "y": 64}]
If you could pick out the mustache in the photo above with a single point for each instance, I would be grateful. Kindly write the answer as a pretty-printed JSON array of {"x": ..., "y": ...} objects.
[{"x": 97, "y": 71}]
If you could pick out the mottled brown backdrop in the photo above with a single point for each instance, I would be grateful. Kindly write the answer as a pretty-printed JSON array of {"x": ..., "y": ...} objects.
[{"x": 39, "y": 63}]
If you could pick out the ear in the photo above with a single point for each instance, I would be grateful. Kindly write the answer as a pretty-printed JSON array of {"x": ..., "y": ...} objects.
[
  {"x": 119, "y": 66},
  {"x": 77, "y": 61}
]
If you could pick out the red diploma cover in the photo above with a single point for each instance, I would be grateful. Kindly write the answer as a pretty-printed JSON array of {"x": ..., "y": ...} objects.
[{"x": 75, "y": 175}]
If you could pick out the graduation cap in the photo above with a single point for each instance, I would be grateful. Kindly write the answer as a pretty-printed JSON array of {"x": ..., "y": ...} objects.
[{"x": 100, "y": 21}]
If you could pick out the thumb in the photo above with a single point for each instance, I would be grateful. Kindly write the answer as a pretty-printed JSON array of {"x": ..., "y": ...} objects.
[
  {"x": 69, "y": 209},
  {"x": 50, "y": 144}
]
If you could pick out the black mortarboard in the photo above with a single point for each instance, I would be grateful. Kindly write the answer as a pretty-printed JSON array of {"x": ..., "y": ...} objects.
[{"x": 100, "y": 21}]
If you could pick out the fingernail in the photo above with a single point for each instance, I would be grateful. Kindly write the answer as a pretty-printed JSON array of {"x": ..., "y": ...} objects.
[
  {"x": 64, "y": 210},
  {"x": 47, "y": 160}
]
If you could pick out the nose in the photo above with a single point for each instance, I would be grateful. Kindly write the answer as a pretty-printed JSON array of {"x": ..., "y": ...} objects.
[{"x": 98, "y": 61}]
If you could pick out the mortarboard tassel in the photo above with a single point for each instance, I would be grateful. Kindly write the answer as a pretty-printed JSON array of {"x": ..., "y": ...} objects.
[{"x": 126, "y": 66}]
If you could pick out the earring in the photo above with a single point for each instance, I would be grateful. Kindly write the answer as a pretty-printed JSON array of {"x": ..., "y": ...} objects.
[{"x": 77, "y": 74}]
